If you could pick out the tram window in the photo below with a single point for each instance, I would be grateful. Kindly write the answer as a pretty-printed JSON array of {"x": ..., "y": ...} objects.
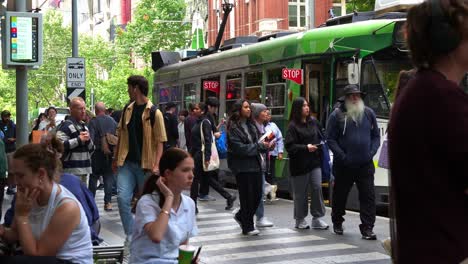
[
  {"x": 189, "y": 94},
  {"x": 275, "y": 76},
  {"x": 170, "y": 94},
  {"x": 233, "y": 90},
  {"x": 253, "y": 87},
  {"x": 275, "y": 98}
]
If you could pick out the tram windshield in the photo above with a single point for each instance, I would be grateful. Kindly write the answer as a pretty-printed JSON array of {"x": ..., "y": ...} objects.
[{"x": 379, "y": 80}]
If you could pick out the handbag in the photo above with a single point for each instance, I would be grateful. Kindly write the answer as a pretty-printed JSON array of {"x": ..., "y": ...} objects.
[
  {"x": 221, "y": 145},
  {"x": 383, "y": 157},
  {"x": 214, "y": 159}
]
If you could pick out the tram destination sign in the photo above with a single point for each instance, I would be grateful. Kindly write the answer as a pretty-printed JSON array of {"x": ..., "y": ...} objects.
[
  {"x": 76, "y": 73},
  {"x": 295, "y": 75}
]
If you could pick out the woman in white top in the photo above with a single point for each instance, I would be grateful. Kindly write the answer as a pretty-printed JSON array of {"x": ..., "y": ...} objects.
[
  {"x": 181, "y": 128},
  {"x": 165, "y": 218},
  {"x": 48, "y": 220},
  {"x": 49, "y": 123}
]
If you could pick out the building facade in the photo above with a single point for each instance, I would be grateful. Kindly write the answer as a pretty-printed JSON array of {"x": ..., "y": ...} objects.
[{"x": 264, "y": 17}]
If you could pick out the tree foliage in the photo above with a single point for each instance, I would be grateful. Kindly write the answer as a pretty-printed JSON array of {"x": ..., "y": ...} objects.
[
  {"x": 156, "y": 25},
  {"x": 359, "y": 5}
]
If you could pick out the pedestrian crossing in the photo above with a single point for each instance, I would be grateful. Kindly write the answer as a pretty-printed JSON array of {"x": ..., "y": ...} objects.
[{"x": 222, "y": 242}]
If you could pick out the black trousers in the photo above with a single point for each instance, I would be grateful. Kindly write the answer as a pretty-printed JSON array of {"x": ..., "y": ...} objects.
[
  {"x": 344, "y": 179},
  {"x": 205, "y": 181},
  {"x": 250, "y": 186},
  {"x": 199, "y": 175}
]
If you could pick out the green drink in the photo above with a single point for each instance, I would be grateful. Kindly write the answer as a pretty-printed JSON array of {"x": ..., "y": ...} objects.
[{"x": 186, "y": 254}]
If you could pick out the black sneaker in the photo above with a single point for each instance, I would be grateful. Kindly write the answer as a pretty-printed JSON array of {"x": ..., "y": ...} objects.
[
  {"x": 338, "y": 229},
  {"x": 230, "y": 202},
  {"x": 367, "y": 233}
]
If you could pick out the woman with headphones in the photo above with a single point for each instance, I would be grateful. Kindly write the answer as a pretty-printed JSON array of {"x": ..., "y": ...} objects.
[{"x": 428, "y": 139}]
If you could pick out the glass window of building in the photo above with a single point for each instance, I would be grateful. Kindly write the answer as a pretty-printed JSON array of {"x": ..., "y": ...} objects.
[
  {"x": 297, "y": 14},
  {"x": 189, "y": 95}
]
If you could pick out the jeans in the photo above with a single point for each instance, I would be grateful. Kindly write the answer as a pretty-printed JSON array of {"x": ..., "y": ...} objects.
[
  {"x": 102, "y": 165},
  {"x": 130, "y": 175},
  {"x": 261, "y": 209}
]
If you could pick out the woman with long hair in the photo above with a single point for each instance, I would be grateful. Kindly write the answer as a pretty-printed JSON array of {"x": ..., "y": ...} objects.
[
  {"x": 428, "y": 139},
  {"x": 245, "y": 162},
  {"x": 205, "y": 128},
  {"x": 303, "y": 139},
  {"x": 42, "y": 206},
  {"x": 165, "y": 218}
]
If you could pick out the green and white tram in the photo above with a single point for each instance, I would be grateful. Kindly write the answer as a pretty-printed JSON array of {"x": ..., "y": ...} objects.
[{"x": 322, "y": 61}]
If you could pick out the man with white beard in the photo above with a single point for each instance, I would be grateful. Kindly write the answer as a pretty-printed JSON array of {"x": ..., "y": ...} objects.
[{"x": 353, "y": 137}]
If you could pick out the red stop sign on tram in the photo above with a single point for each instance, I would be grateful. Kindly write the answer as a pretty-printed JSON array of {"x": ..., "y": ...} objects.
[
  {"x": 211, "y": 86},
  {"x": 295, "y": 75}
]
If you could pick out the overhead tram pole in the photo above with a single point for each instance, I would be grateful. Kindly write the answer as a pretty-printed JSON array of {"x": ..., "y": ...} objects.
[
  {"x": 21, "y": 93},
  {"x": 74, "y": 28}
]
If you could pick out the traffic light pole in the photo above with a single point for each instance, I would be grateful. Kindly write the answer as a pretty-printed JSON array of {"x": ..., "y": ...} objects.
[{"x": 21, "y": 94}]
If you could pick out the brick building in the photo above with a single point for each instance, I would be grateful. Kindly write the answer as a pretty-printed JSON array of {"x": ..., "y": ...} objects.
[{"x": 264, "y": 17}]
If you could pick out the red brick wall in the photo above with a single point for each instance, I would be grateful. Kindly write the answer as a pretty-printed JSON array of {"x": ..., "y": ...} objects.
[
  {"x": 247, "y": 16},
  {"x": 321, "y": 11}
]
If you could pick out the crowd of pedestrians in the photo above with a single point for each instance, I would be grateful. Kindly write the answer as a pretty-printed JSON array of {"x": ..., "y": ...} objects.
[{"x": 150, "y": 159}]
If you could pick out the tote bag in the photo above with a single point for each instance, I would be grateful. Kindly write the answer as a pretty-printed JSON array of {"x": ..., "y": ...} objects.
[{"x": 214, "y": 159}]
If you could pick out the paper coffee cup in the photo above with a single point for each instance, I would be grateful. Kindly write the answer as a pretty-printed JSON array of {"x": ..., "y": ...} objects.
[{"x": 186, "y": 253}]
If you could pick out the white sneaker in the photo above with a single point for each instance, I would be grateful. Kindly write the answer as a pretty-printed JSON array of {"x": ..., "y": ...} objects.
[
  {"x": 254, "y": 232},
  {"x": 302, "y": 224},
  {"x": 318, "y": 223},
  {"x": 263, "y": 222}
]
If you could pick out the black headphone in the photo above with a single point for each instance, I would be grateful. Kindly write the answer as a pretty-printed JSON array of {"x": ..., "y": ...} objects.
[{"x": 444, "y": 38}]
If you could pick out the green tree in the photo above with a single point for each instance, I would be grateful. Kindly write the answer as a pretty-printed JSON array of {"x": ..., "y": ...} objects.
[
  {"x": 156, "y": 25},
  {"x": 359, "y": 5}
]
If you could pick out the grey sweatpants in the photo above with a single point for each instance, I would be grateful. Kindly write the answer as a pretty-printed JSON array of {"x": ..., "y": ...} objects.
[{"x": 300, "y": 186}]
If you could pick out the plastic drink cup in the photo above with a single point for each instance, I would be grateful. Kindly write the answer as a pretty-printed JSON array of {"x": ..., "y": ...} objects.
[{"x": 186, "y": 253}]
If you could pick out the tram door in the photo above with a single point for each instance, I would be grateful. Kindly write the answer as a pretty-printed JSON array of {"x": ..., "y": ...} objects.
[
  {"x": 210, "y": 87},
  {"x": 316, "y": 80}
]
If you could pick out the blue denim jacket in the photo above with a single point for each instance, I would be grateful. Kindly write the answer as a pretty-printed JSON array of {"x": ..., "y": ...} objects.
[{"x": 279, "y": 138}]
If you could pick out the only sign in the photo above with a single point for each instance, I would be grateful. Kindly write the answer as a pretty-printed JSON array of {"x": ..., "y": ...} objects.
[{"x": 295, "y": 75}]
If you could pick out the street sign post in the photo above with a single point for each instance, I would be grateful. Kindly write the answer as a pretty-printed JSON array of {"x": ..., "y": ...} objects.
[{"x": 76, "y": 78}]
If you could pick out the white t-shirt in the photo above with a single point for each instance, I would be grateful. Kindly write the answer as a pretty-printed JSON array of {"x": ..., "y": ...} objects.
[{"x": 182, "y": 225}]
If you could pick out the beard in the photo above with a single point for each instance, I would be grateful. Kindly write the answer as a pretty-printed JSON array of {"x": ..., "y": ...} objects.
[{"x": 355, "y": 111}]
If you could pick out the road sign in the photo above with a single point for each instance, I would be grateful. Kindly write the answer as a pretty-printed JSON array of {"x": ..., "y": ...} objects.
[
  {"x": 76, "y": 92},
  {"x": 76, "y": 73}
]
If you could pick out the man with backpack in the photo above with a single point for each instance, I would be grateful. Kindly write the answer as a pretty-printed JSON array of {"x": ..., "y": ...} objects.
[
  {"x": 354, "y": 138},
  {"x": 102, "y": 129},
  {"x": 141, "y": 135}
]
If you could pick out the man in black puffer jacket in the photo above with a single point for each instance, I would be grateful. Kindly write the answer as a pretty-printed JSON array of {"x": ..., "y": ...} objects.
[{"x": 354, "y": 138}]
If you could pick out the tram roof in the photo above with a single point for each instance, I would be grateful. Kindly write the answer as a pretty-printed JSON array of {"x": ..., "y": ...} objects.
[{"x": 324, "y": 40}]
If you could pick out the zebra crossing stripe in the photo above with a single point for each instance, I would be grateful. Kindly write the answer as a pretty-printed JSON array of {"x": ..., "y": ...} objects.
[
  {"x": 203, "y": 216},
  {"x": 206, "y": 210},
  {"x": 218, "y": 221},
  {"x": 372, "y": 256},
  {"x": 217, "y": 228},
  {"x": 207, "y": 238},
  {"x": 275, "y": 252},
  {"x": 270, "y": 241}
]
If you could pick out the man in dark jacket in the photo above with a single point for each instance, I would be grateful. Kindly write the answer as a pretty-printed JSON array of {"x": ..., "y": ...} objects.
[
  {"x": 354, "y": 138},
  {"x": 101, "y": 162},
  {"x": 170, "y": 122},
  {"x": 8, "y": 129}
]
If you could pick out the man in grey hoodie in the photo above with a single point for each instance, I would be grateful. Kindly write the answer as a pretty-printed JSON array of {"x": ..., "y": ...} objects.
[{"x": 354, "y": 138}]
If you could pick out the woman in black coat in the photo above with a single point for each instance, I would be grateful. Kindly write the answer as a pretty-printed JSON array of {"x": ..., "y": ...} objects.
[
  {"x": 245, "y": 162},
  {"x": 302, "y": 143}
]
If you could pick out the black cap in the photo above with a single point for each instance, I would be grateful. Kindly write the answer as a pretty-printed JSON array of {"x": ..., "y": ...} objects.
[
  {"x": 6, "y": 113},
  {"x": 353, "y": 89}
]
